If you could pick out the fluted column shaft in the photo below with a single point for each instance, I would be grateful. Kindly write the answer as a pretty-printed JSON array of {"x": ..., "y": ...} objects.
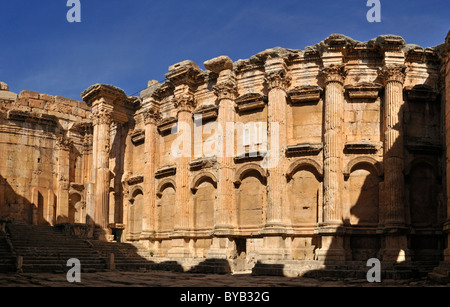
[
  {"x": 151, "y": 117},
  {"x": 226, "y": 93},
  {"x": 102, "y": 123},
  {"x": 393, "y": 147},
  {"x": 278, "y": 82},
  {"x": 333, "y": 146}
]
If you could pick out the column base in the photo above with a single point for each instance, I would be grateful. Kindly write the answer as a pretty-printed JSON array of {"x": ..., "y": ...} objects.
[
  {"x": 222, "y": 248},
  {"x": 180, "y": 249},
  {"x": 395, "y": 249},
  {"x": 275, "y": 248},
  {"x": 332, "y": 249}
]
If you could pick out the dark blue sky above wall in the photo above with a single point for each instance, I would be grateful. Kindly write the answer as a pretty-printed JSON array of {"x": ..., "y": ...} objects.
[{"x": 127, "y": 43}]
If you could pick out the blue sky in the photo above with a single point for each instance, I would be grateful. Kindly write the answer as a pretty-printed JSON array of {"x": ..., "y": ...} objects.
[{"x": 127, "y": 43}]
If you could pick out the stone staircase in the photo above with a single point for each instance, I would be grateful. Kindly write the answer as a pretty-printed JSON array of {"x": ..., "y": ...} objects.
[
  {"x": 7, "y": 259},
  {"x": 441, "y": 273},
  {"x": 43, "y": 249}
]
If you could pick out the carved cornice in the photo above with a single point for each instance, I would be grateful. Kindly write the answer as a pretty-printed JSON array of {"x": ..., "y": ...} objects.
[
  {"x": 102, "y": 114},
  {"x": 98, "y": 91},
  {"x": 165, "y": 125},
  {"x": 226, "y": 90},
  {"x": 421, "y": 93},
  {"x": 208, "y": 112},
  {"x": 305, "y": 94},
  {"x": 250, "y": 101},
  {"x": 277, "y": 79},
  {"x": 304, "y": 149},
  {"x": 365, "y": 90},
  {"x": 334, "y": 73},
  {"x": 137, "y": 136},
  {"x": 35, "y": 118},
  {"x": 393, "y": 73},
  {"x": 166, "y": 171}
]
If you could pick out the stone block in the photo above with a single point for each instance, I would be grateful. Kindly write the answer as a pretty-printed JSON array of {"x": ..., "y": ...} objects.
[
  {"x": 35, "y": 103},
  {"x": 29, "y": 94}
]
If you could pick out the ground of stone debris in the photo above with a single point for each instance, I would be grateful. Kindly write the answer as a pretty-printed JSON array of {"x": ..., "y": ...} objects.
[{"x": 172, "y": 279}]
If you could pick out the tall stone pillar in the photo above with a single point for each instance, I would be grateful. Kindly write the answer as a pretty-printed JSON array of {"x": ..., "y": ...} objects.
[
  {"x": 395, "y": 248},
  {"x": 332, "y": 236},
  {"x": 151, "y": 117},
  {"x": 226, "y": 92},
  {"x": 447, "y": 143},
  {"x": 102, "y": 114},
  {"x": 275, "y": 228},
  {"x": 62, "y": 207},
  {"x": 184, "y": 77}
]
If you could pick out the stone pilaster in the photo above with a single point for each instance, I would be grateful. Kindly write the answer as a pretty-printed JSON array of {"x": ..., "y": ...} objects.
[
  {"x": 64, "y": 147},
  {"x": 226, "y": 92},
  {"x": 394, "y": 219},
  {"x": 151, "y": 117},
  {"x": 332, "y": 240}
]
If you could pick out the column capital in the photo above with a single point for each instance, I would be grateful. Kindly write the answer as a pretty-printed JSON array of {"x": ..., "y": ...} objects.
[
  {"x": 393, "y": 73},
  {"x": 63, "y": 143},
  {"x": 102, "y": 114},
  {"x": 277, "y": 79},
  {"x": 226, "y": 90},
  {"x": 184, "y": 102},
  {"x": 334, "y": 73},
  {"x": 151, "y": 116}
]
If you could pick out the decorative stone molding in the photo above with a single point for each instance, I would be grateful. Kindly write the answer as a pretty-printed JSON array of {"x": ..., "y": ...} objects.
[
  {"x": 365, "y": 90},
  {"x": 166, "y": 171},
  {"x": 277, "y": 79},
  {"x": 420, "y": 93},
  {"x": 362, "y": 146},
  {"x": 305, "y": 94},
  {"x": 378, "y": 166},
  {"x": 137, "y": 136},
  {"x": 209, "y": 112},
  {"x": 242, "y": 172},
  {"x": 135, "y": 180},
  {"x": 393, "y": 73},
  {"x": 36, "y": 118},
  {"x": 334, "y": 73},
  {"x": 419, "y": 146},
  {"x": 250, "y": 156},
  {"x": 97, "y": 91},
  {"x": 203, "y": 176},
  {"x": 166, "y": 125},
  {"x": 303, "y": 149},
  {"x": 163, "y": 184},
  {"x": 251, "y": 101},
  {"x": 202, "y": 163}
]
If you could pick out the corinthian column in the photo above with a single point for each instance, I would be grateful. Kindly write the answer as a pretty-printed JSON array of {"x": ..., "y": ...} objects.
[
  {"x": 394, "y": 217},
  {"x": 151, "y": 117},
  {"x": 278, "y": 82},
  {"x": 226, "y": 92},
  {"x": 332, "y": 240},
  {"x": 102, "y": 120}
]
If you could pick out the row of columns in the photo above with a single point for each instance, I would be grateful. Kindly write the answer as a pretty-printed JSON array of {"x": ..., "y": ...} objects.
[{"x": 276, "y": 226}]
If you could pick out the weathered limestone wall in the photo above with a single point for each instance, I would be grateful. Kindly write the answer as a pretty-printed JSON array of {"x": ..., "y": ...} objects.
[
  {"x": 45, "y": 151},
  {"x": 331, "y": 153}
]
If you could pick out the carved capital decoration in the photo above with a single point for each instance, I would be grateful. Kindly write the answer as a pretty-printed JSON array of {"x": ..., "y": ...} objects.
[
  {"x": 63, "y": 143},
  {"x": 393, "y": 73},
  {"x": 278, "y": 79},
  {"x": 226, "y": 90},
  {"x": 151, "y": 116},
  {"x": 334, "y": 73},
  {"x": 102, "y": 115},
  {"x": 185, "y": 102}
]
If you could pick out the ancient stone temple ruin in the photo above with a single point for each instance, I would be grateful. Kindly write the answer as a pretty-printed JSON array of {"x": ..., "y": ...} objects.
[{"x": 332, "y": 153}]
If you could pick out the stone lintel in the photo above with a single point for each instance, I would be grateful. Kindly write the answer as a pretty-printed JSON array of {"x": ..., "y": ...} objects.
[
  {"x": 362, "y": 146},
  {"x": 185, "y": 72}
]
